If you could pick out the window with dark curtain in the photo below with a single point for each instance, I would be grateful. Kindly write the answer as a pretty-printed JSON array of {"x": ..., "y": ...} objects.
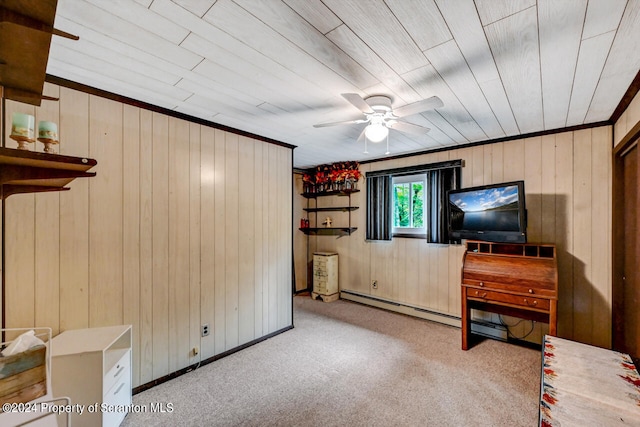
[{"x": 441, "y": 177}]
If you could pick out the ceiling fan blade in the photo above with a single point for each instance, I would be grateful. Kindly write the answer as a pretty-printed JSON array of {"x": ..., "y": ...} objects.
[
  {"x": 358, "y": 102},
  {"x": 346, "y": 122},
  {"x": 418, "y": 107},
  {"x": 409, "y": 128}
]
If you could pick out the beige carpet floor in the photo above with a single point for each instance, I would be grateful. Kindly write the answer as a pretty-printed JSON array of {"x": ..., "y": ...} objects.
[{"x": 346, "y": 364}]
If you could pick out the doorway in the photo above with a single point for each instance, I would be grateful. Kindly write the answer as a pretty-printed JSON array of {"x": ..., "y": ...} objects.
[{"x": 626, "y": 250}]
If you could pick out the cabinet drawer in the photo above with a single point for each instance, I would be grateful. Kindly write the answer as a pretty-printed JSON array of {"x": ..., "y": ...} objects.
[
  {"x": 528, "y": 301},
  {"x": 117, "y": 371},
  {"x": 117, "y": 398}
]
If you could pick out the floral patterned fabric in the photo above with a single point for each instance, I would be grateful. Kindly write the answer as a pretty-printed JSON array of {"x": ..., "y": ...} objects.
[{"x": 583, "y": 385}]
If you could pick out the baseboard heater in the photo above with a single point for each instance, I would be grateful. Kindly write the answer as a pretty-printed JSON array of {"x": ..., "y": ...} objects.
[
  {"x": 489, "y": 330},
  {"x": 410, "y": 310}
]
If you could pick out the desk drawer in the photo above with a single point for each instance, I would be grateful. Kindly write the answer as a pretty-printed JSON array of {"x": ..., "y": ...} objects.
[
  {"x": 117, "y": 398},
  {"x": 490, "y": 296},
  {"x": 511, "y": 287},
  {"x": 117, "y": 371}
]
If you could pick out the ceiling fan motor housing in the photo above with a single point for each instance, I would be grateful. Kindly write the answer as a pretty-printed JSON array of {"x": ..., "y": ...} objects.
[{"x": 379, "y": 103}]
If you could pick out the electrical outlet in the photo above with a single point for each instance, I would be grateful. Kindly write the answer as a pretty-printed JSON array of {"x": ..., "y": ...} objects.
[
  {"x": 374, "y": 284},
  {"x": 205, "y": 329}
]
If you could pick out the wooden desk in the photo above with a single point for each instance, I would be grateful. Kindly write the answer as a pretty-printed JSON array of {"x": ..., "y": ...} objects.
[{"x": 519, "y": 280}]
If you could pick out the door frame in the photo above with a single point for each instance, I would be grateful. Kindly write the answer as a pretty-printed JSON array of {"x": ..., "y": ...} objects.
[{"x": 624, "y": 146}]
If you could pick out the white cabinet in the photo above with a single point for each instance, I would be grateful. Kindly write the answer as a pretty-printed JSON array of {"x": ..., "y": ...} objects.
[
  {"x": 325, "y": 276},
  {"x": 93, "y": 367}
]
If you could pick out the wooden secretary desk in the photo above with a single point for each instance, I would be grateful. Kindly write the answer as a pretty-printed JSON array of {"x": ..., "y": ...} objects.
[{"x": 519, "y": 280}]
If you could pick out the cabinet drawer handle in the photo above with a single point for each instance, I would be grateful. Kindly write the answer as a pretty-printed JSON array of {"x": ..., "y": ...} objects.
[
  {"x": 484, "y": 294},
  {"x": 118, "y": 389},
  {"x": 119, "y": 370},
  {"x": 533, "y": 303},
  {"x": 530, "y": 291},
  {"x": 481, "y": 283}
]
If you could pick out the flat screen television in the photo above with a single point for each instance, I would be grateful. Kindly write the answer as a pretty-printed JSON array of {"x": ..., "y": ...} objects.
[{"x": 493, "y": 213}]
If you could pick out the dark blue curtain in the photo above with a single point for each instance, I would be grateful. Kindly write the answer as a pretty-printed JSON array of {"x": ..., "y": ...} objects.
[
  {"x": 439, "y": 182},
  {"x": 378, "y": 207}
]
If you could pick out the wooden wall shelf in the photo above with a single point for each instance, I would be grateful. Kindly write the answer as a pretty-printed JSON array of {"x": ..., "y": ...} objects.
[
  {"x": 332, "y": 209},
  {"x": 329, "y": 231},
  {"x": 329, "y": 193},
  {"x": 26, "y": 28},
  {"x": 25, "y": 171}
]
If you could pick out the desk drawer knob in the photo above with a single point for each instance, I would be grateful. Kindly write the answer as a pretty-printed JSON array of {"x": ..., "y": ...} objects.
[
  {"x": 478, "y": 294},
  {"x": 534, "y": 302},
  {"x": 530, "y": 291},
  {"x": 481, "y": 283}
]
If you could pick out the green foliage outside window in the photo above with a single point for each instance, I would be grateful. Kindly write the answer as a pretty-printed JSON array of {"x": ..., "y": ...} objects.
[
  {"x": 401, "y": 195},
  {"x": 408, "y": 205},
  {"x": 418, "y": 204}
]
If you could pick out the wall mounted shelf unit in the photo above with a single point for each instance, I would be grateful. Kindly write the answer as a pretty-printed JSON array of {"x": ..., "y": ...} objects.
[
  {"x": 26, "y": 28},
  {"x": 330, "y": 231}
]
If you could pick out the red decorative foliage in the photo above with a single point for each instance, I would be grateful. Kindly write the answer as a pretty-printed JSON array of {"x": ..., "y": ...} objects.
[
  {"x": 633, "y": 381},
  {"x": 549, "y": 399},
  {"x": 321, "y": 178}
]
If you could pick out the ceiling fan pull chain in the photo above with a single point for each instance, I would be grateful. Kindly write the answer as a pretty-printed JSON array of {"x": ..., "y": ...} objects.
[{"x": 387, "y": 145}]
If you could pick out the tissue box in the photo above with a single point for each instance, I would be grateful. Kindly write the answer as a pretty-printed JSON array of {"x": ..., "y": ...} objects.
[{"x": 23, "y": 376}]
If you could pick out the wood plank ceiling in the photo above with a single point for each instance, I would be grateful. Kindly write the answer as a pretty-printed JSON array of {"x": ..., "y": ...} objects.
[{"x": 277, "y": 67}]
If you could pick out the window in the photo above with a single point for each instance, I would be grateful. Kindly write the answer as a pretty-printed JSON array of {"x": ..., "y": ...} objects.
[
  {"x": 409, "y": 204},
  {"x": 411, "y": 201}
]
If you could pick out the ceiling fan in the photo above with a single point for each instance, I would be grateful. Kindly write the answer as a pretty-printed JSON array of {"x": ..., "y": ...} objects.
[{"x": 381, "y": 117}]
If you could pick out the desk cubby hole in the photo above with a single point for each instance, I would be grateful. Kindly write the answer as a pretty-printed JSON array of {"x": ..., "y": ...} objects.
[{"x": 547, "y": 252}]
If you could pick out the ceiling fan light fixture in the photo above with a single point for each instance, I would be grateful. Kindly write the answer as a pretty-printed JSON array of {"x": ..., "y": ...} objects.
[{"x": 376, "y": 132}]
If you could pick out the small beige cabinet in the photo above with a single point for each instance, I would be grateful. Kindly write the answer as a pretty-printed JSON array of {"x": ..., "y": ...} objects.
[
  {"x": 325, "y": 276},
  {"x": 93, "y": 367}
]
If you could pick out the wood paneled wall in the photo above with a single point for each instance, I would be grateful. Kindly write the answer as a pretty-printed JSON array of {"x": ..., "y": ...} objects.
[
  {"x": 183, "y": 225},
  {"x": 628, "y": 120},
  {"x": 568, "y": 193}
]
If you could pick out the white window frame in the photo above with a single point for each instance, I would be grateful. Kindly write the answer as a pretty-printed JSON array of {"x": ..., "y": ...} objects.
[{"x": 402, "y": 179}]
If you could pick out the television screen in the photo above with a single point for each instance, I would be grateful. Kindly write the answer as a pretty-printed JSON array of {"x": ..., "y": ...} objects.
[{"x": 494, "y": 213}]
